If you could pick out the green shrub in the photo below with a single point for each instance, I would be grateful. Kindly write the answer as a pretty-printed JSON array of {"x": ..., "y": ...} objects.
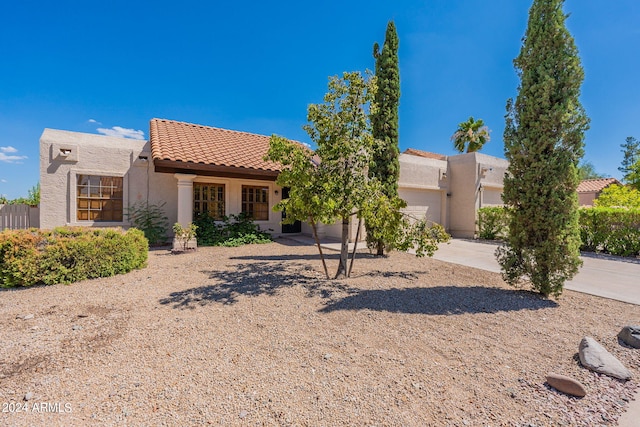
[
  {"x": 151, "y": 219},
  {"x": 67, "y": 255},
  {"x": 493, "y": 223},
  {"x": 234, "y": 230},
  {"x": 614, "y": 231}
]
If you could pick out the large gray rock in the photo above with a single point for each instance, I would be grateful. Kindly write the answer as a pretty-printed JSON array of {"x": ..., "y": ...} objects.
[
  {"x": 630, "y": 335},
  {"x": 566, "y": 385},
  {"x": 598, "y": 359}
]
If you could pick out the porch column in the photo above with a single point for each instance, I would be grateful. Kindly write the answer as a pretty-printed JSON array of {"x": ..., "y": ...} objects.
[{"x": 185, "y": 198}]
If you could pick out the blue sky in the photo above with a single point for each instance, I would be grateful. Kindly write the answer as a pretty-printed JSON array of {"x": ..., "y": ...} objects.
[{"x": 103, "y": 67}]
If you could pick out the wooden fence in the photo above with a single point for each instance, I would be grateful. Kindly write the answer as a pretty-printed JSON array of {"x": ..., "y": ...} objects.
[{"x": 19, "y": 216}]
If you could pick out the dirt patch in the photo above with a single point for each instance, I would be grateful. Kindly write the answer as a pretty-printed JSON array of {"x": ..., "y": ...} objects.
[{"x": 255, "y": 336}]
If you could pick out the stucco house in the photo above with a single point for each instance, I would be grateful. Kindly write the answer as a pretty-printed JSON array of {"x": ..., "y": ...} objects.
[
  {"x": 449, "y": 190},
  {"x": 590, "y": 189},
  {"x": 90, "y": 180}
]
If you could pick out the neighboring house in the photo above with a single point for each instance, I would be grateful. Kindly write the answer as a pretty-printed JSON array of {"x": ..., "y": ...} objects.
[
  {"x": 449, "y": 190},
  {"x": 90, "y": 180},
  {"x": 590, "y": 189}
]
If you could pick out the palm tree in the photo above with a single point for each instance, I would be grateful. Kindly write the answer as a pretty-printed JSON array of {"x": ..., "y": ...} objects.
[{"x": 472, "y": 134}]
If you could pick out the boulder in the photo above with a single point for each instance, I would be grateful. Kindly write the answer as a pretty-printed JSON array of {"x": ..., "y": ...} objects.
[
  {"x": 630, "y": 335},
  {"x": 566, "y": 385},
  {"x": 595, "y": 357}
]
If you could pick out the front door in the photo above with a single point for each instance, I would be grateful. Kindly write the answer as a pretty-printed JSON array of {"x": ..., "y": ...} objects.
[{"x": 296, "y": 227}]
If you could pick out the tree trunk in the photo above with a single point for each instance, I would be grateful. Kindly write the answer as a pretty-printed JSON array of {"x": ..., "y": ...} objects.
[
  {"x": 380, "y": 248},
  {"x": 315, "y": 236},
  {"x": 344, "y": 250},
  {"x": 355, "y": 247}
]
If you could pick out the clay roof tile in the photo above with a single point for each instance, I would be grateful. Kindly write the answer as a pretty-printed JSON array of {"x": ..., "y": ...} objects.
[
  {"x": 187, "y": 142},
  {"x": 595, "y": 185}
]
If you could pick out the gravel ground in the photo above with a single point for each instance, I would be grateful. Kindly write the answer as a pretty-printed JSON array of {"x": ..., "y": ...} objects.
[{"x": 256, "y": 336}]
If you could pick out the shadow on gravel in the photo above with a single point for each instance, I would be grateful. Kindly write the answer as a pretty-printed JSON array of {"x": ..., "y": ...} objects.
[
  {"x": 251, "y": 279},
  {"x": 310, "y": 257},
  {"x": 442, "y": 300}
]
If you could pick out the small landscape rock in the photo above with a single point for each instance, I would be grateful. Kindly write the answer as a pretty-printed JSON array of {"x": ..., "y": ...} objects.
[
  {"x": 243, "y": 414},
  {"x": 77, "y": 327},
  {"x": 630, "y": 335},
  {"x": 598, "y": 359},
  {"x": 566, "y": 385},
  {"x": 28, "y": 396},
  {"x": 327, "y": 356},
  {"x": 25, "y": 316},
  {"x": 83, "y": 315}
]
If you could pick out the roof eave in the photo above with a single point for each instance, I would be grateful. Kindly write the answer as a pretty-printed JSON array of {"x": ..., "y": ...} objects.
[{"x": 171, "y": 166}]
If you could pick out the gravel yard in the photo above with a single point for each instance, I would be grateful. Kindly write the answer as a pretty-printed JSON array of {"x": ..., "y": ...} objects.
[{"x": 255, "y": 336}]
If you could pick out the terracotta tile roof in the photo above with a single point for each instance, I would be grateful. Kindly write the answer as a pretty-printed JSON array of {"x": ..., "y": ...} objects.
[
  {"x": 428, "y": 155},
  {"x": 595, "y": 185},
  {"x": 190, "y": 143}
]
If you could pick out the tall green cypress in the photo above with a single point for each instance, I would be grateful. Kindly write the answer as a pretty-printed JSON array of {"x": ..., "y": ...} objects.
[
  {"x": 544, "y": 140},
  {"x": 384, "y": 121}
]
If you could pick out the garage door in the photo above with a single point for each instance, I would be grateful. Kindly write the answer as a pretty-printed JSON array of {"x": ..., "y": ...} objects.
[{"x": 421, "y": 203}]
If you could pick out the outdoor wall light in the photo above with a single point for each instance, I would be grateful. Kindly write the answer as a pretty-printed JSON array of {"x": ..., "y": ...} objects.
[
  {"x": 65, "y": 152},
  {"x": 276, "y": 192}
]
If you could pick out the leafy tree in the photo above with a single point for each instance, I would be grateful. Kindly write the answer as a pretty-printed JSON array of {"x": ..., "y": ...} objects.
[
  {"x": 618, "y": 196},
  {"x": 32, "y": 199},
  {"x": 341, "y": 129},
  {"x": 333, "y": 182},
  {"x": 586, "y": 170},
  {"x": 630, "y": 166},
  {"x": 33, "y": 195},
  {"x": 385, "y": 166},
  {"x": 633, "y": 177},
  {"x": 470, "y": 136},
  {"x": 544, "y": 139}
]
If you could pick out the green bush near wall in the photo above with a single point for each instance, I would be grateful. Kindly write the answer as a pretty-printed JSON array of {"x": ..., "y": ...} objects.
[
  {"x": 67, "y": 255},
  {"x": 614, "y": 231},
  {"x": 233, "y": 230},
  {"x": 492, "y": 223}
]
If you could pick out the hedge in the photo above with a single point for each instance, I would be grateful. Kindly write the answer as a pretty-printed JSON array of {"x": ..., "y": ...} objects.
[
  {"x": 614, "y": 231},
  {"x": 68, "y": 254}
]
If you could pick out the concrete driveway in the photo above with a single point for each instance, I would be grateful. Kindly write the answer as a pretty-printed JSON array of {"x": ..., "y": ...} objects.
[{"x": 605, "y": 276}]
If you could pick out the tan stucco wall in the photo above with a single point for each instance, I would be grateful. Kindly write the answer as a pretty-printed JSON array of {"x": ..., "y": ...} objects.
[
  {"x": 95, "y": 155},
  {"x": 423, "y": 184},
  {"x": 476, "y": 181}
]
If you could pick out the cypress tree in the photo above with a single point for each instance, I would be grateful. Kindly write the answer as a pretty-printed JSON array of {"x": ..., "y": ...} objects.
[
  {"x": 544, "y": 140},
  {"x": 385, "y": 165}
]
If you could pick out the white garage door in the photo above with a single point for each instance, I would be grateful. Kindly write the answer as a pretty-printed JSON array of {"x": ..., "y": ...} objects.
[{"x": 421, "y": 203}]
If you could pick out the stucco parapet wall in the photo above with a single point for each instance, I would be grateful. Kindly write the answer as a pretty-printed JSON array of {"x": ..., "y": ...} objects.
[
  {"x": 490, "y": 170},
  {"x": 64, "y": 137},
  {"x": 422, "y": 172}
]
